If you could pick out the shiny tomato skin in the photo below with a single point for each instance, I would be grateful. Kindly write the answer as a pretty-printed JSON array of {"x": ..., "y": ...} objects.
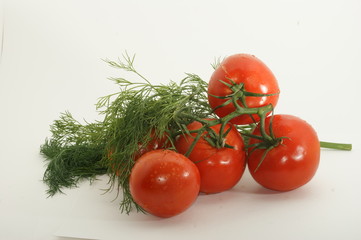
[
  {"x": 256, "y": 77},
  {"x": 220, "y": 169},
  {"x": 164, "y": 183},
  {"x": 293, "y": 162}
]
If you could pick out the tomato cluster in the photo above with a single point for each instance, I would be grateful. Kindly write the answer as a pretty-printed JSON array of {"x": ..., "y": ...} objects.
[{"x": 282, "y": 151}]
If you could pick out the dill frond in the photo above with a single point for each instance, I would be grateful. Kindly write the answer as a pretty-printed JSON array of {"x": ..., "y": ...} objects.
[
  {"x": 131, "y": 115},
  {"x": 73, "y": 153},
  {"x": 68, "y": 165}
]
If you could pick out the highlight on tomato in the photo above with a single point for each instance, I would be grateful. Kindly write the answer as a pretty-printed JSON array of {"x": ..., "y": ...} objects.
[
  {"x": 164, "y": 183},
  {"x": 292, "y": 161},
  {"x": 244, "y": 79},
  {"x": 220, "y": 167}
]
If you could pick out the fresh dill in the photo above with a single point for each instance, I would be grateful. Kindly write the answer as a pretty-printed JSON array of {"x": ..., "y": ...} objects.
[
  {"x": 73, "y": 153},
  {"x": 217, "y": 62},
  {"x": 134, "y": 115}
]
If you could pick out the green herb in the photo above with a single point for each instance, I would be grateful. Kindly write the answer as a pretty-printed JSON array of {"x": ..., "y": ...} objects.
[
  {"x": 217, "y": 62},
  {"x": 77, "y": 152},
  {"x": 70, "y": 164},
  {"x": 73, "y": 153}
]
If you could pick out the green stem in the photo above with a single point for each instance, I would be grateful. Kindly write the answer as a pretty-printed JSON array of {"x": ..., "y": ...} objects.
[
  {"x": 337, "y": 146},
  {"x": 262, "y": 113},
  {"x": 221, "y": 135},
  {"x": 196, "y": 139}
]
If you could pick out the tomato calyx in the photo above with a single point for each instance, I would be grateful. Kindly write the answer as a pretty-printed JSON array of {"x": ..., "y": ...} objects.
[
  {"x": 266, "y": 145},
  {"x": 238, "y": 96},
  {"x": 267, "y": 142},
  {"x": 216, "y": 140}
]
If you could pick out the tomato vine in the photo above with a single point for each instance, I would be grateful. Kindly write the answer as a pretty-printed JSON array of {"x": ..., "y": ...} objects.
[{"x": 141, "y": 111}]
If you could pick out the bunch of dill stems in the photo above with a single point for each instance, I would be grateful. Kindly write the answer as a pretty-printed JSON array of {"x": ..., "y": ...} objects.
[{"x": 131, "y": 116}]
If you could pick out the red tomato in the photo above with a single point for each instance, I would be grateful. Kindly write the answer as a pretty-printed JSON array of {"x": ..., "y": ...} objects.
[
  {"x": 293, "y": 162},
  {"x": 256, "y": 77},
  {"x": 159, "y": 142},
  {"x": 164, "y": 183},
  {"x": 220, "y": 168}
]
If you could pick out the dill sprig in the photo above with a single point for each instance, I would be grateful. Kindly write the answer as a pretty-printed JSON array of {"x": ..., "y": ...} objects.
[
  {"x": 68, "y": 165},
  {"x": 138, "y": 110},
  {"x": 73, "y": 153},
  {"x": 134, "y": 115}
]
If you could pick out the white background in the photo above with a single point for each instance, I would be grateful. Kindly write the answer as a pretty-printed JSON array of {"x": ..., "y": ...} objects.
[{"x": 51, "y": 61}]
